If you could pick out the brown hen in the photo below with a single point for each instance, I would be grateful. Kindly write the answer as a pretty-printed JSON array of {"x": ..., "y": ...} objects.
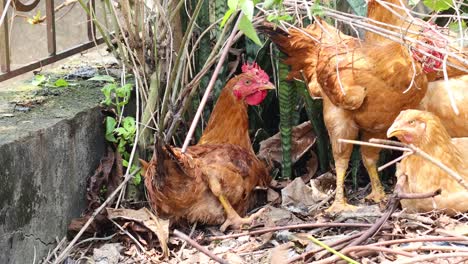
[
  {"x": 364, "y": 84},
  {"x": 212, "y": 182},
  {"x": 425, "y": 131}
]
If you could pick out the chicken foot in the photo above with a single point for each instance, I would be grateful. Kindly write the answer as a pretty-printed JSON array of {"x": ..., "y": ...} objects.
[
  {"x": 339, "y": 124},
  {"x": 340, "y": 204},
  {"x": 232, "y": 217},
  {"x": 370, "y": 156}
]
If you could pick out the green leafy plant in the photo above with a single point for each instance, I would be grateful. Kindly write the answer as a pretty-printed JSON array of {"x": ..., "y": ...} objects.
[
  {"x": 46, "y": 81},
  {"x": 121, "y": 132},
  {"x": 438, "y": 5},
  {"x": 247, "y": 8}
]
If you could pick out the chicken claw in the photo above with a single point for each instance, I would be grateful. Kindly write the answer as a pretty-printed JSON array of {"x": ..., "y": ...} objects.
[
  {"x": 376, "y": 196},
  {"x": 341, "y": 206},
  {"x": 236, "y": 222}
]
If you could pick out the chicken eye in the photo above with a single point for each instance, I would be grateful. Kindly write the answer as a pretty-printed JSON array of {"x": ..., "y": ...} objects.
[
  {"x": 248, "y": 82},
  {"x": 411, "y": 122}
]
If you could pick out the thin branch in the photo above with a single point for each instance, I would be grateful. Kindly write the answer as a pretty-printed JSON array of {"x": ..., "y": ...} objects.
[
  {"x": 371, "y": 144},
  {"x": 331, "y": 250},
  {"x": 278, "y": 228},
  {"x": 210, "y": 85},
  {"x": 420, "y": 259},
  {"x": 434, "y": 161},
  {"x": 129, "y": 235},
  {"x": 406, "y": 154},
  {"x": 306, "y": 254},
  {"x": 199, "y": 247}
]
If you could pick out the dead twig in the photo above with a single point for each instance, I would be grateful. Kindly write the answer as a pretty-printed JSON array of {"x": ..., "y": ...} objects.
[
  {"x": 59, "y": 245},
  {"x": 210, "y": 85},
  {"x": 420, "y": 239},
  {"x": 392, "y": 206},
  {"x": 278, "y": 228},
  {"x": 375, "y": 249},
  {"x": 129, "y": 235},
  {"x": 420, "y": 259},
  {"x": 304, "y": 256},
  {"x": 435, "y": 248},
  {"x": 93, "y": 216},
  {"x": 389, "y": 144},
  {"x": 199, "y": 247},
  {"x": 428, "y": 157}
]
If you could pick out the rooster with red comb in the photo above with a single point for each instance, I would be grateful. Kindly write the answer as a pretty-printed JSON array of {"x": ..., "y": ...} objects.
[{"x": 212, "y": 182}]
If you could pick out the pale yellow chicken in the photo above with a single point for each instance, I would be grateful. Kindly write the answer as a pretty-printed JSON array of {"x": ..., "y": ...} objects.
[{"x": 425, "y": 131}]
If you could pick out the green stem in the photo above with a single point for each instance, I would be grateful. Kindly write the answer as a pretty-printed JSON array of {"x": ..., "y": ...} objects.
[{"x": 332, "y": 250}]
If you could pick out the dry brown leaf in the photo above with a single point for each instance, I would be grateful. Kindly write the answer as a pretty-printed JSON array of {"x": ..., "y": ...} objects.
[
  {"x": 303, "y": 138},
  {"x": 158, "y": 226},
  {"x": 299, "y": 198},
  {"x": 107, "y": 177},
  {"x": 279, "y": 217},
  {"x": 280, "y": 254}
]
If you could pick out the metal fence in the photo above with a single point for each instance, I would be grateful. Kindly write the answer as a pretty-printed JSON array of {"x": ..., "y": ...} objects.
[{"x": 6, "y": 72}]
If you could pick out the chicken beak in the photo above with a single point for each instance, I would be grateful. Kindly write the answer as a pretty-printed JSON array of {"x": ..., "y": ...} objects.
[
  {"x": 268, "y": 86},
  {"x": 394, "y": 130}
]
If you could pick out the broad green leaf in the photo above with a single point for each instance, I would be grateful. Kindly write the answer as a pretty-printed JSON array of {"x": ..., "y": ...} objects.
[
  {"x": 124, "y": 91},
  {"x": 232, "y": 4},
  {"x": 125, "y": 163},
  {"x": 121, "y": 147},
  {"x": 103, "y": 78},
  {"x": 121, "y": 131},
  {"x": 38, "y": 80},
  {"x": 438, "y": 5},
  {"x": 107, "y": 91},
  {"x": 110, "y": 127},
  {"x": 247, "y": 7},
  {"x": 128, "y": 122},
  {"x": 246, "y": 27},
  {"x": 226, "y": 17},
  {"x": 61, "y": 83}
]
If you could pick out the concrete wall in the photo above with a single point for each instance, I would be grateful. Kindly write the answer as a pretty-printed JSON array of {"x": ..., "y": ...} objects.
[{"x": 42, "y": 181}]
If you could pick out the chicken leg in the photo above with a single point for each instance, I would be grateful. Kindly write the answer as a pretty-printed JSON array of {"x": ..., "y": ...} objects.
[
  {"x": 342, "y": 127},
  {"x": 370, "y": 156},
  {"x": 232, "y": 217}
]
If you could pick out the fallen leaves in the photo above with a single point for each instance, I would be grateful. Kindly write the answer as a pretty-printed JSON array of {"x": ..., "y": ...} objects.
[
  {"x": 146, "y": 218},
  {"x": 303, "y": 139}
]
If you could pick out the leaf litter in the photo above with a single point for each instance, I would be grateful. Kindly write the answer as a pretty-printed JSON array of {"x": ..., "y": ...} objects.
[{"x": 285, "y": 233}]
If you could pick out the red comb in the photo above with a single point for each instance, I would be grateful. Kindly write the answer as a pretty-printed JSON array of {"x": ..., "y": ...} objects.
[
  {"x": 256, "y": 70},
  {"x": 434, "y": 38}
]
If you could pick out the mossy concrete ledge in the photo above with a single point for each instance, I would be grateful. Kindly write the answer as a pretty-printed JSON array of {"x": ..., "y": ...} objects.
[{"x": 46, "y": 155}]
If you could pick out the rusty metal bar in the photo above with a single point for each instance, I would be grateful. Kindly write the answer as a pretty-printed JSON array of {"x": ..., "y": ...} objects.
[
  {"x": 50, "y": 21},
  {"x": 50, "y": 60},
  {"x": 4, "y": 43}
]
